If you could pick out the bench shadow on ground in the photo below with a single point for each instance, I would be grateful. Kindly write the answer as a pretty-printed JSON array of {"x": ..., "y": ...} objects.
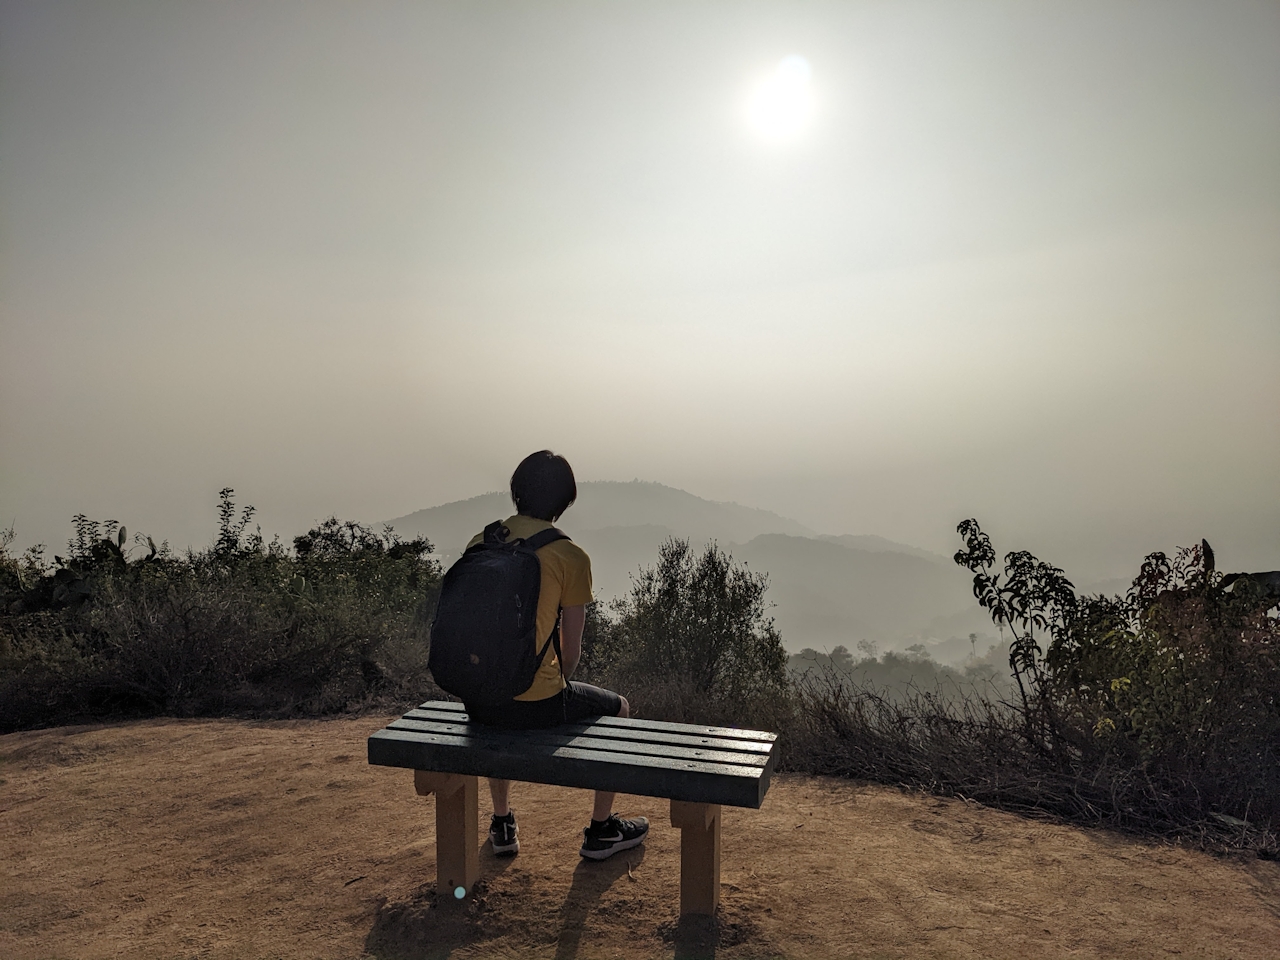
[
  {"x": 697, "y": 937},
  {"x": 431, "y": 926}
]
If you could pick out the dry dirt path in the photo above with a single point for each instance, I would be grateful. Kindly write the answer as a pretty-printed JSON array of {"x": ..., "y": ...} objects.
[{"x": 220, "y": 839}]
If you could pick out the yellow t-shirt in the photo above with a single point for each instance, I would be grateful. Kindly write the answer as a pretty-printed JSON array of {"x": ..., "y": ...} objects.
[{"x": 566, "y": 582}]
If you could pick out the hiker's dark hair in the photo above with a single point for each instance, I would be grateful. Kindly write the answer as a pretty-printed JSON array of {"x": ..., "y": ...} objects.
[{"x": 543, "y": 485}]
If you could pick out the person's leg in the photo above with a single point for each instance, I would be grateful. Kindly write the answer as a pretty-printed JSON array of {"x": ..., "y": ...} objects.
[
  {"x": 510, "y": 716},
  {"x": 515, "y": 715},
  {"x": 608, "y": 834},
  {"x": 500, "y": 791},
  {"x": 583, "y": 701},
  {"x": 604, "y": 801},
  {"x": 504, "y": 835},
  {"x": 578, "y": 702}
]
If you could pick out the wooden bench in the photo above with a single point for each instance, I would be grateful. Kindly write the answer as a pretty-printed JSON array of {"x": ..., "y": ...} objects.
[{"x": 699, "y": 769}]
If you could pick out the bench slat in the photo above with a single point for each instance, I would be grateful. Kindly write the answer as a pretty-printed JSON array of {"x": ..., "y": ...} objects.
[
  {"x": 694, "y": 781},
  {"x": 489, "y": 739},
  {"x": 658, "y": 725},
  {"x": 521, "y": 748},
  {"x": 597, "y": 729}
]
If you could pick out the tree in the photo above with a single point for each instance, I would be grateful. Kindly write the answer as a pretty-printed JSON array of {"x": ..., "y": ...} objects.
[
  {"x": 1034, "y": 596},
  {"x": 702, "y": 620}
]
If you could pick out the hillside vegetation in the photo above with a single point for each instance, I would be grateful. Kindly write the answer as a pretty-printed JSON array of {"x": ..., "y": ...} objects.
[
  {"x": 242, "y": 627},
  {"x": 1157, "y": 711},
  {"x": 898, "y": 675}
]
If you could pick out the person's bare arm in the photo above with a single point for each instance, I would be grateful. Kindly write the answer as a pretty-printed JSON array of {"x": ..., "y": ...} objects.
[{"x": 572, "y": 620}]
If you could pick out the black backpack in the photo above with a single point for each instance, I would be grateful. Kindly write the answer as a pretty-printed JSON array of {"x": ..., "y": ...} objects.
[{"x": 483, "y": 635}]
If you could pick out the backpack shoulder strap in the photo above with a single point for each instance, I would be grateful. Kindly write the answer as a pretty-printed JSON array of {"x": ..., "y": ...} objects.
[
  {"x": 535, "y": 543},
  {"x": 543, "y": 537}
]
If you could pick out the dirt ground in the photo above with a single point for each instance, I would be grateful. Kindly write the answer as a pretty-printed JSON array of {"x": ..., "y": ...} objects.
[{"x": 221, "y": 839}]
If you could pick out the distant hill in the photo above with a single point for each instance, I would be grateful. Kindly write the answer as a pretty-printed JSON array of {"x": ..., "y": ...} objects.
[
  {"x": 870, "y": 543},
  {"x": 604, "y": 504},
  {"x": 829, "y": 594},
  {"x": 826, "y": 590}
]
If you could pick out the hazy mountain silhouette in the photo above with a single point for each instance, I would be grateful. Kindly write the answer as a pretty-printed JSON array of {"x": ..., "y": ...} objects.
[
  {"x": 828, "y": 594},
  {"x": 870, "y": 543},
  {"x": 827, "y": 590},
  {"x": 604, "y": 504}
]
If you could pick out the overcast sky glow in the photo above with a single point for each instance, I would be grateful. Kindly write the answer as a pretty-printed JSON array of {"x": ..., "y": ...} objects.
[{"x": 996, "y": 259}]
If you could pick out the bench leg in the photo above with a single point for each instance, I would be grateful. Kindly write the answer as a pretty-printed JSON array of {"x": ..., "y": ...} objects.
[
  {"x": 457, "y": 828},
  {"x": 699, "y": 825}
]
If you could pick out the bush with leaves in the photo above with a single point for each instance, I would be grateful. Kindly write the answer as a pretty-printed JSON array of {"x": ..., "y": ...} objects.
[
  {"x": 1032, "y": 600},
  {"x": 242, "y": 627},
  {"x": 1180, "y": 677},
  {"x": 1184, "y": 674},
  {"x": 693, "y": 640}
]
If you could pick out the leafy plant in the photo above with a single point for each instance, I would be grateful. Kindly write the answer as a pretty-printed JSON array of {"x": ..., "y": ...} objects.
[
  {"x": 699, "y": 623},
  {"x": 243, "y": 626},
  {"x": 1029, "y": 596},
  {"x": 1180, "y": 677}
]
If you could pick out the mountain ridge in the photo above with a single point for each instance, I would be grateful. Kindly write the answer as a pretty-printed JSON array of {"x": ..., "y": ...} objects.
[
  {"x": 825, "y": 589},
  {"x": 605, "y": 503}
]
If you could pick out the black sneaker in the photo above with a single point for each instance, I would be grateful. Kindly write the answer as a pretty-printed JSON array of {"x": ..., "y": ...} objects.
[
  {"x": 504, "y": 835},
  {"x": 600, "y": 843}
]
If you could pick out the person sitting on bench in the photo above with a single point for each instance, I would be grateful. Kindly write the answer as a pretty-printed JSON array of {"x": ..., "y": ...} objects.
[{"x": 542, "y": 488}]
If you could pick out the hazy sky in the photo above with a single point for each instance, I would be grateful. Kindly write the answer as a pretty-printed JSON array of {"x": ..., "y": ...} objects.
[{"x": 1023, "y": 263}]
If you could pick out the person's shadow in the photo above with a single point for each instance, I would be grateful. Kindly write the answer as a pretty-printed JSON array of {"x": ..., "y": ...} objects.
[{"x": 591, "y": 878}]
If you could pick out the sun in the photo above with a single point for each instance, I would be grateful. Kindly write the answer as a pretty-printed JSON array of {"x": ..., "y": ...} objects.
[{"x": 780, "y": 104}]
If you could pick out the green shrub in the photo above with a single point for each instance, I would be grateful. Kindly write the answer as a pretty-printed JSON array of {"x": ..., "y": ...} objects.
[
  {"x": 242, "y": 627},
  {"x": 693, "y": 640},
  {"x": 1179, "y": 678}
]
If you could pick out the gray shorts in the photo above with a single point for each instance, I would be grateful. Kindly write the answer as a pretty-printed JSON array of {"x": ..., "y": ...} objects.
[{"x": 575, "y": 703}]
